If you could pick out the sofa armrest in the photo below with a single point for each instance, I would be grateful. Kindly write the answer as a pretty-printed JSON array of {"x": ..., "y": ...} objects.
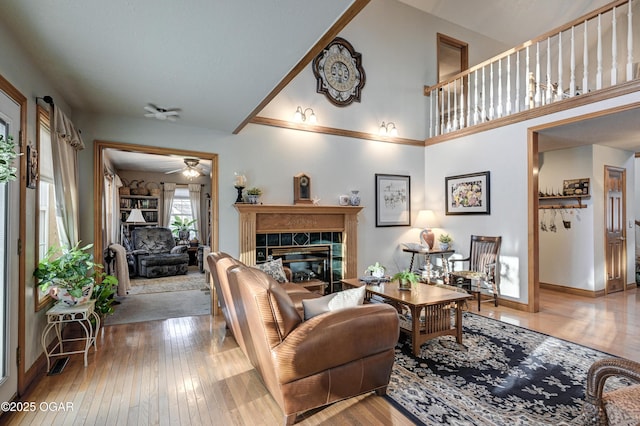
[{"x": 335, "y": 338}]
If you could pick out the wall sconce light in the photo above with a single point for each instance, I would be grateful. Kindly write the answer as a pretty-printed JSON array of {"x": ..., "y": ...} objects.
[
  {"x": 301, "y": 116},
  {"x": 388, "y": 129}
]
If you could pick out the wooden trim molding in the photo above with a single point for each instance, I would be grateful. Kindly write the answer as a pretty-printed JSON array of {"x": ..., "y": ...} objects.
[
  {"x": 563, "y": 105},
  {"x": 339, "y": 25},
  {"x": 334, "y": 131},
  {"x": 574, "y": 291},
  {"x": 263, "y": 218}
]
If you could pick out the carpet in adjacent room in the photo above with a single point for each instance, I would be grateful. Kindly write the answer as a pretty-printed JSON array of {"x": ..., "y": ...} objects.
[{"x": 502, "y": 375}]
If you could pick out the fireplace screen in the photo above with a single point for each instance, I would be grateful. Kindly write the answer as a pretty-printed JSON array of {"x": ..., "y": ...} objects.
[{"x": 307, "y": 263}]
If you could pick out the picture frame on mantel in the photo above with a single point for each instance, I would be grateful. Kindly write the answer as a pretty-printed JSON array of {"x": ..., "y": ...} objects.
[
  {"x": 393, "y": 200},
  {"x": 468, "y": 194}
]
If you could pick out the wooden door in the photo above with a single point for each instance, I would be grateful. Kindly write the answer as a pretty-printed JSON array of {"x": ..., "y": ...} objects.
[{"x": 615, "y": 237}]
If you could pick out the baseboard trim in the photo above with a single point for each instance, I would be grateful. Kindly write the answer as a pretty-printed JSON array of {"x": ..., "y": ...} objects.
[{"x": 572, "y": 290}]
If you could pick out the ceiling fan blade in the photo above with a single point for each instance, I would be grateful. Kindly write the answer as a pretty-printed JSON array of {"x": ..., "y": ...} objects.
[
  {"x": 151, "y": 108},
  {"x": 174, "y": 171},
  {"x": 171, "y": 112},
  {"x": 171, "y": 117},
  {"x": 150, "y": 114}
]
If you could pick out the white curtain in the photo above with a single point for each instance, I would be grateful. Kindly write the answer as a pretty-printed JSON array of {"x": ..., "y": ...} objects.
[
  {"x": 65, "y": 144},
  {"x": 167, "y": 202},
  {"x": 194, "y": 197},
  {"x": 112, "y": 207}
]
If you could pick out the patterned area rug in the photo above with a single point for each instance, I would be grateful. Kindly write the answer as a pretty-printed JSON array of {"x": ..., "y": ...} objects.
[{"x": 501, "y": 375}]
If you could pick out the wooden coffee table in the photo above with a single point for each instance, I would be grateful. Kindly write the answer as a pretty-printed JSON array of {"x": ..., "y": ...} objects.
[{"x": 434, "y": 301}]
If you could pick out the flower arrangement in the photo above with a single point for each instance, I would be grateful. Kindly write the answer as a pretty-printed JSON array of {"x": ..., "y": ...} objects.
[
  {"x": 254, "y": 191},
  {"x": 376, "y": 270},
  {"x": 445, "y": 238}
]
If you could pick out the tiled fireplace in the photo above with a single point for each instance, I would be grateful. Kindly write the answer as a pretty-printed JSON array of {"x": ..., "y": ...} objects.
[{"x": 265, "y": 228}]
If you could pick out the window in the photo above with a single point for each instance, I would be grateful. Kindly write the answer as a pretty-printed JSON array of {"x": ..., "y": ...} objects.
[
  {"x": 47, "y": 233},
  {"x": 181, "y": 207}
]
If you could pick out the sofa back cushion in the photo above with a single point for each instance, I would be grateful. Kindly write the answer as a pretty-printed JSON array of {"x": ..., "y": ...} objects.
[
  {"x": 153, "y": 240},
  {"x": 271, "y": 303}
]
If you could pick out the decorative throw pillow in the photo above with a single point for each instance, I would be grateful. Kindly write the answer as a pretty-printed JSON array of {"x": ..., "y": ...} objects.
[
  {"x": 333, "y": 302},
  {"x": 275, "y": 269},
  {"x": 179, "y": 249}
]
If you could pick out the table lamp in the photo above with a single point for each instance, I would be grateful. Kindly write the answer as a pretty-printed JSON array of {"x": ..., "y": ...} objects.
[
  {"x": 136, "y": 216},
  {"x": 427, "y": 220}
]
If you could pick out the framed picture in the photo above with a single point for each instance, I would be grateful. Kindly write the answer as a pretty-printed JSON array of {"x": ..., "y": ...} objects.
[
  {"x": 468, "y": 194},
  {"x": 32, "y": 167},
  {"x": 575, "y": 186},
  {"x": 393, "y": 200}
]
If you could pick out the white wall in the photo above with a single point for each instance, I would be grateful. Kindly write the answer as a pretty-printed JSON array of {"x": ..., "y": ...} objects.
[
  {"x": 567, "y": 255},
  {"x": 502, "y": 151},
  {"x": 398, "y": 47}
]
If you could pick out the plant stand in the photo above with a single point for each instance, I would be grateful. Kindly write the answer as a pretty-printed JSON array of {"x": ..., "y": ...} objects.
[{"x": 61, "y": 314}]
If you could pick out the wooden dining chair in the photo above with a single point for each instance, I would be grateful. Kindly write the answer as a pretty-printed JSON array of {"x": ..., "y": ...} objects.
[{"x": 483, "y": 264}]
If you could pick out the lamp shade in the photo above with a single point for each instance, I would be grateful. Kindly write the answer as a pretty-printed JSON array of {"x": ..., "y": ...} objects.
[
  {"x": 135, "y": 216},
  {"x": 426, "y": 219}
]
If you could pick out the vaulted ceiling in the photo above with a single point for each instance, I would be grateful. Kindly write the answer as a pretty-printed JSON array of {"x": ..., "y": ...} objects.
[{"x": 216, "y": 60}]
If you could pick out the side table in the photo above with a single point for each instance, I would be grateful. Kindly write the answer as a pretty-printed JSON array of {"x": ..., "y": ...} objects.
[
  {"x": 427, "y": 255},
  {"x": 61, "y": 314}
]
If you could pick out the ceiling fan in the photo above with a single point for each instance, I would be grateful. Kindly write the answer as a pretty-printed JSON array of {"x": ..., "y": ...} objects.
[
  {"x": 156, "y": 112},
  {"x": 191, "y": 169}
]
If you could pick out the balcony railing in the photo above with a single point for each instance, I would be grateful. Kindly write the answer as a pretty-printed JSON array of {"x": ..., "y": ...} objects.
[{"x": 592, "y": 53}]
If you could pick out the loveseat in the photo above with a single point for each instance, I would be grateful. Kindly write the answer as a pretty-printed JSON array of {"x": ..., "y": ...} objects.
[
  {"x": 156, "y": 253},
  {"x": 304, "y": 363}
]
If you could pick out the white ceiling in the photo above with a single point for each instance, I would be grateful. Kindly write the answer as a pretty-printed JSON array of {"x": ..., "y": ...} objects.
[{"x": 216, "y": 60}]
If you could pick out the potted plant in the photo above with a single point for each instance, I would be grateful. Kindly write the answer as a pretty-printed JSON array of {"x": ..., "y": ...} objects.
[
  {"x": 445, "y": 241},
  {"x": 69, "y": 274},
  {"x": 405, "y": 279},
  {"x": 7, "y": 156},
  {"x": 376, "y": 270},
  {"x": 182, "y": 227},
  {"x": 253, "y": 194}
]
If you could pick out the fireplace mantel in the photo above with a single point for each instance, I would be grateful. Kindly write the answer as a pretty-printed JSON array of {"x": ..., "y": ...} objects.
[{"x": 276, "y": 218}]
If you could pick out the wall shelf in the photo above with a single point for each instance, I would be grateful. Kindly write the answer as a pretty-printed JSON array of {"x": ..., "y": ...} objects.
[{"x": 563, "y": 202}]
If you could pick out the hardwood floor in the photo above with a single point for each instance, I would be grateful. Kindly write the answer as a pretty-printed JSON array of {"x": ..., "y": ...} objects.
[{"x": 187, "y": 371}]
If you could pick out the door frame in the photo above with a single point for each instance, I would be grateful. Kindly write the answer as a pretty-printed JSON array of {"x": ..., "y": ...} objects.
[
  {"x": 533, "y": 163},
  {"x": 12, "y": 92},
  {"x": 622, "y": 170},
  {"x": 98, "y": 185}
]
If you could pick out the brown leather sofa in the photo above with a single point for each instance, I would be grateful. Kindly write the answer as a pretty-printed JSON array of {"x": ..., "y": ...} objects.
[{"x": 304, "y": 364}]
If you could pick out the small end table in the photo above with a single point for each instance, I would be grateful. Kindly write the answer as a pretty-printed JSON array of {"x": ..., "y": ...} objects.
[
  {"x": 61, "y": 314},
  {"x": 427, "y": 255}
]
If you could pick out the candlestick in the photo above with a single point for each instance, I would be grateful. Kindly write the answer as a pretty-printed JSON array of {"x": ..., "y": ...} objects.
[{"x": 239, "y": 189}]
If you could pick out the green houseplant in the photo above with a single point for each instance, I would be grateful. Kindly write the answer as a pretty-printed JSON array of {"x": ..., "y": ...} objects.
[
  {"x": 405, "y": 279},
  {"x": 7, "y": 156},
  {"x": 445, "y": 241},
  {"x": 69, "y": 274},
  {"x": 182, "y": 227},
  {"x": 376, "y": 270},
  {"x": 253, "y": 194}
]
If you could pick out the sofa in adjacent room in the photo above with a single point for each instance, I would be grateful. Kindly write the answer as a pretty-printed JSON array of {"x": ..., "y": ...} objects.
[{"x": 156, "y": 253}]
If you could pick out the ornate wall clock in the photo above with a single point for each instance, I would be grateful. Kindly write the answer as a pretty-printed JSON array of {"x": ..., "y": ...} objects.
[{"x": 339, "y": 73}]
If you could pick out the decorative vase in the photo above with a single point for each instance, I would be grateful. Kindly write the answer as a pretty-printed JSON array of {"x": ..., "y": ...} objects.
[
  {"x": 253, "y": 199},
  {"x": 404, "y": 284},
  {"x": 444, "y": 246},
  {"x": 62, "y": 294},
  {"x": 355, "y": 198}
]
